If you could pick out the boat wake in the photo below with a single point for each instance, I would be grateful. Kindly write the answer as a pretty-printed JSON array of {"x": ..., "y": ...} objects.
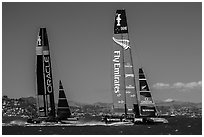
[
  {"x": 121, "y": 124},
  {"x": 91, "y": 123},
  {"x": 80, "y": 123},
  {"x": 15, "y": 123}
]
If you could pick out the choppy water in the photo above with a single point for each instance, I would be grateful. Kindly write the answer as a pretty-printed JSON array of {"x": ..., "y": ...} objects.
[{"x": 92, "y": 126}]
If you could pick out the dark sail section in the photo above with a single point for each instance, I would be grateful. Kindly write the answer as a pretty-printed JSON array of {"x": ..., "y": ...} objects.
[
  {"x": 147, "y": 106},
  {"x": 39, "y": 65},
  {"x": 41, "y": 97},
  {"x": 63, "y": 111},
  {"x": 124, "y": 95},
  {"x": 120, "y": 25},
  {"x": 48, "y": 74}
]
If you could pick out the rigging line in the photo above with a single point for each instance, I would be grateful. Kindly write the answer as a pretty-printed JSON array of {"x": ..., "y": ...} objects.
[
  {"x": 45, "y": 94},
  {"x": 133, "y": 68},
  {"x": 36, "y": 85},
  {"x": 137, "y": 55},
  {"x": 131, "y": 62},
  {"x": 112, "y": 72},
  {"x": 57, "y": 73},
  {"x": 55, "y": 70},
  {"x": 57, "y": 76},
  {"x": 111, "y": 75},
  {"x": 123, "y": 51},
  {"x": 51, "y": 95},
  {"x": 134, "y": 81}
]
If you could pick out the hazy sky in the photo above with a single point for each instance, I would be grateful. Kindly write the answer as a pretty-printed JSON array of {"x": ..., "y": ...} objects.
[{"x": 166, "y": 40}]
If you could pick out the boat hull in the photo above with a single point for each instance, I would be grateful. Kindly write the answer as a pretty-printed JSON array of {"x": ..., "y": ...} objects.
[
  {"x": 150, "y": 120},
  {"x": 73, "y": 120},
  {"x": 140, "y": 120}
]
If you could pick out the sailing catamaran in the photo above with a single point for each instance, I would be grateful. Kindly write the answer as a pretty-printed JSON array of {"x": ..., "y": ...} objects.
[
  {"x": 46, "y": 111},
  {"x": 128, "y": 104},
  {"x": 44, "y": 83}
]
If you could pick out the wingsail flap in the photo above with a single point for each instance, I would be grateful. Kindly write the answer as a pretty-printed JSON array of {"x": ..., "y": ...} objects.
[
  {"x": 147, "y": 106},
  {"x": 63, "y": 110}
]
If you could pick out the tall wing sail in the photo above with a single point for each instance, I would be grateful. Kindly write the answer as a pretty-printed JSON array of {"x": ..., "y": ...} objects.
[
  {"x": 146, "y": 103},
  {"x": 63, "y": 111},
  {"x": 41, "y": 95},
  {"x": 48, "y": 73},
  {"x": 124, "y": 89}
]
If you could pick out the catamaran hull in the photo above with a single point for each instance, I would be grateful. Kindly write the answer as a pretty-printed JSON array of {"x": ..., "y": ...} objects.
[
  {"x": 150, "y": 120},
  {"x": 41, "y": 120},
  {"x": 117, "y": 119},
  {"x": 73, "y": 120}
]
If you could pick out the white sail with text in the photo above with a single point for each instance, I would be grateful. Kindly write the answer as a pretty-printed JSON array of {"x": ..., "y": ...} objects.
[
  {"x": 45, "y": 92},
  {"x": 124, "y": 88}
]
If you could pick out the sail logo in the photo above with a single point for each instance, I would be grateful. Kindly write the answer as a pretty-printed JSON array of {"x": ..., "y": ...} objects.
[
  {"x": 148, "y": 110},
  {"x": 129, "y": 75},
  {"x": 39, "y": 50},
  {"x": 39, "y": 40},
  {"x": 128, "y": 65},
  {"x": 118, "y": 19},
  {"x": 128, "y": 92},
  {"x": 146, "y": 101},
  {"x": 46, "y": 52},
  {"x": 121, "y": 101},
  {"x": 118, "y": 95},
  {"x": 116, "y": 70},
  {"x": 130, "y": 87},
  {"x": 122, "y": 42},
  {"x": 143, "y": 87},
  {"x": 47, "y": 70},
  {"x": 129, "y": 109},
  {"x": 133, "y": 95},
  {"x": 123, "y": 28}
]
